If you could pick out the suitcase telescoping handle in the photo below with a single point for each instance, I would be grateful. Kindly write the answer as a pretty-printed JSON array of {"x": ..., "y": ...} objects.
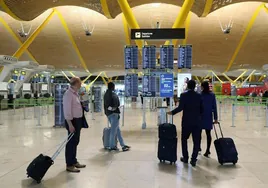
[
  {"x": 167, "y": 118},
  {"x": 62, "y": 145},
  {"x": 214, "y": 125}
]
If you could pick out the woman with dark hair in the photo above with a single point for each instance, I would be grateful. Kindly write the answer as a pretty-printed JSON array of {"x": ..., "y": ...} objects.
[{"x": 210, "y": 107}]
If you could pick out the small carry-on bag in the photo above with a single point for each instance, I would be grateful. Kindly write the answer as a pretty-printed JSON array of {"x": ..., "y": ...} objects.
[
  {"x": 167, "y": 145},
  {"x": 225, "y": 148},
  {"x": 40, "y": 165}
]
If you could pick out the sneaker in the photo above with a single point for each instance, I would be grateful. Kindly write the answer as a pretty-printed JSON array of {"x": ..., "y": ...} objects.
[
  {"x": 72, "y": 169},
  {"x": 113, "y": 149},
  {"x": 125, "y": 148},
  {"x": 78, "y": 165}
]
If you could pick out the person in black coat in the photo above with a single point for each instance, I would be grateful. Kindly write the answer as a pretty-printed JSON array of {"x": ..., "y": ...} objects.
[
  {"x": 192, "y": 106},
  {"x": 210, "y": 108}
]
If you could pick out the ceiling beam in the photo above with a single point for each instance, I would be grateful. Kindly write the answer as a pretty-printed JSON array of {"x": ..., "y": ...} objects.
[
  {"x": 130, "y": 18},
  {"x": 126, "y": 29},
  {"x": 31, "y": 38},
  {"x": 207, "y": 8},
  {"x": 65, "y": 76},
  {"x": 8, "y": 11},
  {"x": 105, "y": 9},
  {"x": 247, "y": 78},
  {"x": 179, "y": 22},
  {"x": 187, "y": 26},
  {"x": 66, "y": 28},
  {"x": 240, "y": 76},
  {"x": 11, "y": 32},
  {"x": 244, "y": 36},
  {"x": 86, "y": 78}
]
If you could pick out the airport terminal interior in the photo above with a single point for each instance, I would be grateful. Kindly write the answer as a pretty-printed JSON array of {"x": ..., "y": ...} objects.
[{"x": 149, "y": 49}]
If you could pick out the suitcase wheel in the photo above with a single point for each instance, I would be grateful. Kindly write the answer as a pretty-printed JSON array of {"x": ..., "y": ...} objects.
[{"x": 234, "y": 162}]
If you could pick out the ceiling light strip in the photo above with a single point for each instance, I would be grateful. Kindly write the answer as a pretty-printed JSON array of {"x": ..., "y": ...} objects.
[
  {"x": 66, "y": 28},
  {"x": 207, "y": 8},
  {"x": 244, "y": 36},
  {"x": 105, "y": 9},
  {"x": 8, "y": 11},
  {"x": 11, "y": 32},
  {"x": 31, "y": 38}
]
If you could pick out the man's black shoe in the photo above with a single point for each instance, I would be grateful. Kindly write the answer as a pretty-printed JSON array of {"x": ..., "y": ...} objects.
[
  {"x": 184, "y": 160},
  {"x": 193, "y": 163},
  {"x": 113, "y": 149}
]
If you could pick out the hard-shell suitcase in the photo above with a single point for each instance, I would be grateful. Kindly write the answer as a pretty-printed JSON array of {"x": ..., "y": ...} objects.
[
  {"x": 225, "y": 148},
  {"x": 106, "y": 137},
  {"x": 167, "y": 150},
  {"x": 40, "y": 165},
  {"x": 167, "y": 144}
]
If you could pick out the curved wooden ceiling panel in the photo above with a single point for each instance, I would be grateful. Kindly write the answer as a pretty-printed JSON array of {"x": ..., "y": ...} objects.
[{"x": 30, "y": 9}]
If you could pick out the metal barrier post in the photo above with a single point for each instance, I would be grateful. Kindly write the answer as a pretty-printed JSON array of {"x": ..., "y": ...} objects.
[
  {"x": 14, "y": 108},
  {"x": 1, "y": 122},
  {"x": 24, "y": 112},
  {"x": 224, "y": 105},
  {"x": 259, "y": 109},
  {"x": 144, "y": 115},
  {"x": 123, "y": 114},
  {"x": 247, "y": 111},
  {"x": 220, "y": 110},
  {"x": 266, "y": 114},
  {"x": 233, "y": 115},
  {"x": 38, "y": 109}
]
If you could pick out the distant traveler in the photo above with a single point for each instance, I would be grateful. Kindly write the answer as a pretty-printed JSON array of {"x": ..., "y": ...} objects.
[
  {"x": 141, "y": 98},
  {"x": 210, "y": 108},
  {"x": 111, "y": 108},
  {"x": 192, "y": 106},
  {"x": 73, "y": 114}
]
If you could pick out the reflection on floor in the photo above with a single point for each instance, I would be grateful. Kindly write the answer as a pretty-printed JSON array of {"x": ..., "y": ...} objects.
[{"x": 21, "y": 140}]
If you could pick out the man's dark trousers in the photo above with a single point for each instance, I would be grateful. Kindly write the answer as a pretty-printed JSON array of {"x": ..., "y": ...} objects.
[
  {"x": 196, "y": 135},
  {"x": 71, "y": 147}
]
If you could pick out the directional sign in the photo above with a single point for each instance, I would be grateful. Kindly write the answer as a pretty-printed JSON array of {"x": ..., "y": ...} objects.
[{"x": 166, "y": 85}]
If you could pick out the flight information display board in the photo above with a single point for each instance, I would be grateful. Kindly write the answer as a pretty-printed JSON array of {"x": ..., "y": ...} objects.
[
  {"x": 149, "y": 86},
  {"x": 149, "y": 57},
  {"x": 131, "y": 85},
  {"x": 166, "y": 57},
  {"x": 185, "y": 57},
  {"x": 131, "y": 57}
]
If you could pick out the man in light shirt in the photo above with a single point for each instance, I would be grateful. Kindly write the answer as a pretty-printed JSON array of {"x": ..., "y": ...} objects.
[{"x": 73, "y": 114}]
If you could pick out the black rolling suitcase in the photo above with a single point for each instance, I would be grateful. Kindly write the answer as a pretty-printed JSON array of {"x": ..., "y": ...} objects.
[
  {"x": 225, "y": 148},
  {"x": 167, "y": 145},
  {"x": 40, "y": 165}
]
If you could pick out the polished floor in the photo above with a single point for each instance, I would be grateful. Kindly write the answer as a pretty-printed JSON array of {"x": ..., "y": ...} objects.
[{"x": 21, "y": 140}]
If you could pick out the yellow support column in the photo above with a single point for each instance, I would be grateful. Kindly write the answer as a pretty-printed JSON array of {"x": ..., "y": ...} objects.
[
  {"x": 185, "y": 9},
  {"x": 65, "y": 76},
  {"x": 91, "y": 83},
  {"x": 244, "y": 36},
  {"x": 261, "y": 78},
  {"x": 240, "y": 76},
  {"x": 187, "y": 26},
  {"x": 105, "y": 9},
  {"x": 207, "y": 8},
  {"x": 31, "y": 38},
  {"x": 130, "y": 18},
  {"x": 126, "y": 29},
  {"x": 247, "y": 78},
  {"x": 11, "y": 32},
  {"x": 66, "y": 28},
  {"x": 227, "y": 77},
  {"x": 72, "y": 74},
  {"x": 105, "y": 82},
  {"x": 86, "y": 78},
  {"x": 6, "y": 9},
  {"x": 217, "y": 77}
]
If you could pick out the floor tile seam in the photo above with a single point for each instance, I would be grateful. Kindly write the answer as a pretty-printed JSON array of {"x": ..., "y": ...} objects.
[{"x": 14, "y": 169}]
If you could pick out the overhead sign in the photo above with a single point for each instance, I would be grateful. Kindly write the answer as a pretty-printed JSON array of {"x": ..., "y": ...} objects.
[
  {"x": 166, "y": 85},
  {"x": 158, "y": 34}
]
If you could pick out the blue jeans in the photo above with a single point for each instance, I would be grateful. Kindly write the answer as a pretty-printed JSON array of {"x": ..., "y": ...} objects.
[{"x": 115, "y": 130}]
